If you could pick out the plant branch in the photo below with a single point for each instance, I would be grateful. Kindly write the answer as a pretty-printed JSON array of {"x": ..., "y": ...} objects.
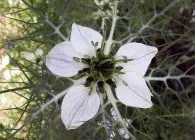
[
  {"x": 156, "y": 15},
  {"x": 113, "y": 101},
  {"x": 56, "y": 28},
  {"x": 110, "y": 38},
  {"x": 54, "y": 99}
]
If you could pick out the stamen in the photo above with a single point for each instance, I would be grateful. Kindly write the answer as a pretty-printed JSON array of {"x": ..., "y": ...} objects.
[
  {"x": 98, "y": 50},
  {"x": 88, "y": 81},
  {"x": 76, "y": 59},
  {"x": 101, "y": 86},
  {"x": 98, "y": 53},
  {"x": 86, "y": 60},
  {"x": 83, "y": 70},
  {"x": 123, "y": 60},
  {"x": 111, "y": 83},
  {"x": 86, "y": 69},
  {"x": 119, "y": 68}
]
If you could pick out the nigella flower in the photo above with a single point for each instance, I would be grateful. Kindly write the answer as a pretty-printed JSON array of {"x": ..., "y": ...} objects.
[{"x": 83, "y": 59}]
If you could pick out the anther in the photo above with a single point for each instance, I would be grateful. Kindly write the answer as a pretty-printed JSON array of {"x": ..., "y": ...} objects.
[
  {"x": 76, "y": 59},
  {"x": 88, "y": 81},
  {"x": 111, "y": 83},
  {"x": 86, "y": 60},
  {"x": 101, "y": 86},
  {"x": 98, "y": 50},
  {"x": 119, "y": 68},
  {"x": 83, "y": 70}
]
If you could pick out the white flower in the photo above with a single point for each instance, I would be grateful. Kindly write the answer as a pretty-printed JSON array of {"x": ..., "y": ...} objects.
[{"x": 83, "y": 58}]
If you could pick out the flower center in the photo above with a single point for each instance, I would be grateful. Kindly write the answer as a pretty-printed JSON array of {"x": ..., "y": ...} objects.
[{"x": 100, "y": 69}]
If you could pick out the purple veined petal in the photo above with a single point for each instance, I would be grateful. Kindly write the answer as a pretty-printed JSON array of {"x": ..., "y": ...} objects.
[
  {"x": 78, "y": 106},
  {"x": 133, "y": 91},
  {"x": 81, "y": 38},
  {"x": 60, "y": 60},
  {"x": 140, "y": 54}
]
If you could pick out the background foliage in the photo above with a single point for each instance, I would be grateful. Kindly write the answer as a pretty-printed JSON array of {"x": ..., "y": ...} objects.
[{"x": 28, "y": 91}]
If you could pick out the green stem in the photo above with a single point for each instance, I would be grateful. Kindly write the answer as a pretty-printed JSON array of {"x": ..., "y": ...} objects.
[{"x": 113, "y": 101}]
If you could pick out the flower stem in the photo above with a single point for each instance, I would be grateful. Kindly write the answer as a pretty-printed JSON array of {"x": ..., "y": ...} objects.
[
  {"x": 57, "y": 29},
  {"x": 113, "y": 101},
  {"x": 114, "y": 19}
]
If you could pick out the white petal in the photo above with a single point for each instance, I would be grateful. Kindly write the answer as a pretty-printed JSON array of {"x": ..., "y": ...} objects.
[
  {"x": 60, "y": 60},
  {"x": 78, "y": 106},
  {"x": 136, "y": 93},
  {"x": 141, "y": 55},
  {"x": 81, "y": 38},
  {"x": 80, "y": 81}
]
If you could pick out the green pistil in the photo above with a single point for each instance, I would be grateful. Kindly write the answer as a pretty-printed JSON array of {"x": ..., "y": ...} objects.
[
  {"x": 100, "y": 85},
  {"x": 100, "y": 68}
]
